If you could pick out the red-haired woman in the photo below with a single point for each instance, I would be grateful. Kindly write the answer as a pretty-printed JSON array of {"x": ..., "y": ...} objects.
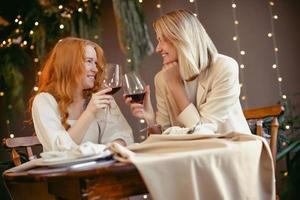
[{"x": 66, "y": 107}]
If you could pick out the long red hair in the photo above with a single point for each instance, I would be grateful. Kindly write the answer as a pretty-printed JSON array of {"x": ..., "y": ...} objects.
[{"x": 62, "y": 73}]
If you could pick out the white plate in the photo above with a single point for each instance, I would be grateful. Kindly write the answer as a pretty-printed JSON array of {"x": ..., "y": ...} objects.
[{"x": 67, "y": 162}]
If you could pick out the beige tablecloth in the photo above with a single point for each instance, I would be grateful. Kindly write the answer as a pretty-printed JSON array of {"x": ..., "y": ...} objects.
[{"x": 212, "y": 167}]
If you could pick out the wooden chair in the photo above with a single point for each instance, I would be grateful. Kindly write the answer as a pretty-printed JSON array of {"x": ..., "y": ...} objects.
[
  {"x": 17, "y": 142},
  {"x": 259, "y": 114}
]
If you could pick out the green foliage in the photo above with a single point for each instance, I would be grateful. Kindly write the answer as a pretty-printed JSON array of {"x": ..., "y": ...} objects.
[{"x": 132, "y": 32}]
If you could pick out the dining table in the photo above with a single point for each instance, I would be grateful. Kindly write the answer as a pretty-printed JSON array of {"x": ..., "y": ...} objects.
[
  {"x": 168, "y": 167},
  {"x": 97, "y": 180}
]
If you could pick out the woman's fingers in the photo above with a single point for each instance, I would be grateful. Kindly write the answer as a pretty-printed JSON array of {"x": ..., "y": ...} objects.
[{"x": 104, "y": 91}]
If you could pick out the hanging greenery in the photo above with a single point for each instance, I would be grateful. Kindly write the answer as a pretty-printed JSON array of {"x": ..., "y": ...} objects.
[{"x": 132, "y": 32}]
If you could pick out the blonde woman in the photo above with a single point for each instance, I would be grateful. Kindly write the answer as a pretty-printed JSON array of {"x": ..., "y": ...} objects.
[
  {"x": 197, "y": 86},
  {"x": 68, "y": 102}
]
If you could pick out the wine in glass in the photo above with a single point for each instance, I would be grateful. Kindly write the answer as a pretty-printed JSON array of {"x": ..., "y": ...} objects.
[
  {"x": 134, "y": 87},
  {"x": 112, "y": 78}
]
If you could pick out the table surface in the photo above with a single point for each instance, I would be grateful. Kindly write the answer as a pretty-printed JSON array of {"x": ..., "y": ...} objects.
[{"x": 108, "y": 180}]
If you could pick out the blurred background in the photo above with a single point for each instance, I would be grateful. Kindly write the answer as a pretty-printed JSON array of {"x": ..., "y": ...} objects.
[{"x": 262, "y": 35}]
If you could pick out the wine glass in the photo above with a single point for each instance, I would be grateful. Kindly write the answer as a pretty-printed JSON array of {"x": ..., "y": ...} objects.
[
  {"x": 134, "y": 87},
  {"x": 112, "y": 78}
]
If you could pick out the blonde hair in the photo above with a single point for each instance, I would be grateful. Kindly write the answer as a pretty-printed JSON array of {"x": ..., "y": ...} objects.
[
  {"x": 63, "y": 70},
  {"x": 195, "y": 49}
]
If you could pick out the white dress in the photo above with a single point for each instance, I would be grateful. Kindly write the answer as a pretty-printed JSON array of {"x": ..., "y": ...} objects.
[{"x": 53, "y": 136}]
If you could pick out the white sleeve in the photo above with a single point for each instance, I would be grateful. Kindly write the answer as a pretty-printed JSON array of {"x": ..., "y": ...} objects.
[
  {"x": 48, "y": 126},
  {"x": 116, "y": 127}
]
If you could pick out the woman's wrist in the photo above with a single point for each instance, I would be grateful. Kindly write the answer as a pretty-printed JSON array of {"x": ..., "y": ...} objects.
[{"x": 154, "y": 129}]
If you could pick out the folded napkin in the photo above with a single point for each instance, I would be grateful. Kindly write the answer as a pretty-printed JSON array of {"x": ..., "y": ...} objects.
[
  {"x": 199, "y": 128},
  {"x": 80, "y": 151}
]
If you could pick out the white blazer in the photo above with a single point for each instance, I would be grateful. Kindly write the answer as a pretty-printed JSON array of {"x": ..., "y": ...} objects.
[{"x": 218, "y": 108}]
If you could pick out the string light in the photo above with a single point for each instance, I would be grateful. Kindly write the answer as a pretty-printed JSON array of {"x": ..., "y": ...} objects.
[
  {"x": 236, "y": 38},
  {"x": 80, "y": 10},
  {"x": 141, "y": 1},
  {"x": 11, "y": 135},
  {"x": 128, "y": 60},
  {"x": 36, "y": 60},
  {"x": 196, "y": 11},
  {"x": 159, "y": 6},
  {"x": 142, "y": 121},
  {"x": 36, "y": 23},
  {"x": 35, "y": 88},
  {"x": 31, "y": 32},
  {"x": 145, "y": 196},
  {"x": 60, "y": 7},
  {"x": 1, "y": 94},
  {"x": 61, "y": 26},
  {"x": 275, "y": 48}
]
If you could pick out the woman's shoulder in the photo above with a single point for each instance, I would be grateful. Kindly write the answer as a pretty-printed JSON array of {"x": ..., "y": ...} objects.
[
  {"x": 44, "y": 97},
  {"x": 223, "y": 62},
  {"x": 223, "y": 59}
]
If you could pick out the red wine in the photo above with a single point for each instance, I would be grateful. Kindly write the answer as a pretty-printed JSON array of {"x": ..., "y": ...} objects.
[
  {"x": 137, "y": 98},
  {"x": 114, "y": 90}
]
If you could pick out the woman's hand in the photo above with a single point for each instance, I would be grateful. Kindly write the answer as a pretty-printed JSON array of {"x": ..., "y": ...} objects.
[
  {"x": 172, "y": 75},
  {"x": 99, "y": 100},
  {"x": 143, "y": 111}
]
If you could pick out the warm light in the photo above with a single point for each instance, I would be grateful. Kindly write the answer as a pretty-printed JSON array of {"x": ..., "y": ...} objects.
[
  {"x": 279, "y": 79},
  {"x": 191, "y": 1},
  {"x": 36, "y": 23},
  {"x": 145, "y": 196},
  {"x": 80, "y": 9},
  {"x": 4, "y": 42},
  {"x": 242, "y": 66},
  {"x": 36, "y": 60},
  {"x": 60, "y": 7},
  {"x": 25, "y": 42},
  {"x": 11, "y": 135},
  {"x": 274, "y": 66},
  {"x": 17, "y": 30},
  {"x": 1, "y": 94},
  {"x": 141, "y": 1},
  {"x": 233, "y": 5},
  {"x": 236, "y": 22},
  {"x": 234, "y": 38},
  {"x": 269, "y": 34},
  {"x": 275, "y": 16},
  {"x": 96, "y": 37},
  {"x": 271, "y": 3},
  {"x": 129, "y": 60},
  {"x": 243, "y": 52},
  {"x": 241, "y": 85},
  {"x": 142, "y": 138},
  {"x": 195, "y": 14},
  {"x": 287, "y": 127},
  {"x": 158, "y": 5},
  {"x": 243, "y": 98},
  {"x": 285, "y": 173},
  {"x": 16, "y": 20},
  {"x": 39, "y": 73},
  {"x": 31, "y": 47},
  {"x": 7, "y": 121},
  {"x": 284, "y": 96},
  {"x": 142, "y": 121},
  {"x": 275, "y": 49},
  {"x": 20, "y": 22},
  {"x": 31, "y": 32},
  {"x": 35, "y": 88},
  {"x": 61, "y": 26}
]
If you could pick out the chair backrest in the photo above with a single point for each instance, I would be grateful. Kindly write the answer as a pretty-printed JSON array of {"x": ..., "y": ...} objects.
[
  {"x": 259, "y": 114},
  {"x": 26, "y": 142}
]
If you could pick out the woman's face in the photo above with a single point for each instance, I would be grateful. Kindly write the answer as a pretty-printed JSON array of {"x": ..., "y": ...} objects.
[
  {"x": 166, "y": 49},
  {"x": 91, "y": 70}
]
